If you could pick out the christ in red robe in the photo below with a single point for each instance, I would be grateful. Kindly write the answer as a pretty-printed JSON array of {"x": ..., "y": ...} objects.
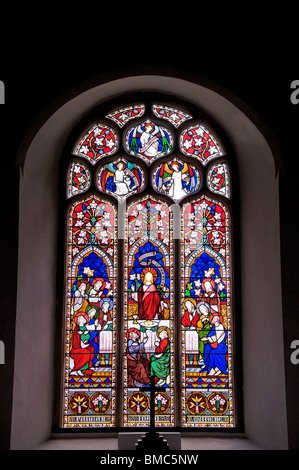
[{"x": 149, "y": 300}]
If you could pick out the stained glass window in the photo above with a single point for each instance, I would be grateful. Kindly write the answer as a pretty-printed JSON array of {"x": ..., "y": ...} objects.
[
  {"x": 148, "y": 273},
  {"x": 91, "y": 283}
]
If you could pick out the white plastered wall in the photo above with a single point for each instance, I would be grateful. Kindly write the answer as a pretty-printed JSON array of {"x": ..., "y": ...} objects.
[{"x": 262, "y": 335}]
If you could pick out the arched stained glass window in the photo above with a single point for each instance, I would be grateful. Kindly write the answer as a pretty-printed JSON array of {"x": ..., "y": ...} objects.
[{"x": 148, "y": 272}]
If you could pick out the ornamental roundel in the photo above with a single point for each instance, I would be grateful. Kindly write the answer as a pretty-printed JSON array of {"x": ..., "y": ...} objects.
[
  {"x": 138, "y": 402},
  {"x": 162, "y": 403},
  {"x": 176, "y": 179},
  {"x": 148, "y": 140},
  {"x": 217, "y": 403},
  {"x": 121, "y": 178},
  {"x": 79, "y": 403},
  {"x": 100, "y": 403},
  {"x": 196, "y": 403}
]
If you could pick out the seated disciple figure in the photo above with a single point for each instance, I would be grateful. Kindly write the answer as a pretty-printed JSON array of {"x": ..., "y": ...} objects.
[
  {"x": 160, "y": 362},
  {"x": 105, "y": 317},
  {"x": 79, "y": 301},
  {"x": 191, "y": 316},
  {"x": 210, "y": 295},
  {"x": 138, "y": 366},
  {"x": 215, "y": 350},
  {"x": 106, "y": 334},
  {"x": 190, "y": 322},
  {"x": 93, "y": 326},
  {"x": 82, "y": 352},
  {"x": 203, "y": 309},
  {"x": 97, "y": 291}
]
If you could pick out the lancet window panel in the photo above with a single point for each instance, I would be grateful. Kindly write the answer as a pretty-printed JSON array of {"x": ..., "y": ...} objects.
[
  {"x": 148, "y": 289},
  {"x": 149, "y": 314},
  {"x": 207, "y": 372},
  {"x": 90, "y": 314}
]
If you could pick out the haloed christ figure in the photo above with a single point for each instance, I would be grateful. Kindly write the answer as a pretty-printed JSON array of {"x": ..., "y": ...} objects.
[{"x": 148, "y": 298}]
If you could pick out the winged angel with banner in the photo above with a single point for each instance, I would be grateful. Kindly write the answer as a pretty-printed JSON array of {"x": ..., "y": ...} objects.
[
  {"x": 149, "y": 140},
  {"x": 120, "y": 178},
  {"x": 176, "y": 179}
]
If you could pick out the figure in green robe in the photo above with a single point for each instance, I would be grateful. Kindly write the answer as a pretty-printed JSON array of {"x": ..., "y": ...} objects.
[{"x": 160, "y": 362}]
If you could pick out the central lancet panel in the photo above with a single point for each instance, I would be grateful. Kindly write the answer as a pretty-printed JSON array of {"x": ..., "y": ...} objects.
[{"x": 148, "y": 313}]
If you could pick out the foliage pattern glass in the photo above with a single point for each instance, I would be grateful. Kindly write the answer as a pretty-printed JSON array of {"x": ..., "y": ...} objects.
[
  {"x": 123, "y": 115},
  {"x": 218, "y": 179},
  {"x": 199, "y": 142},
  {"x": 173, "y": 115},
  {"x": 99, "y": 141},
  {"x": 78, "y": 179}
]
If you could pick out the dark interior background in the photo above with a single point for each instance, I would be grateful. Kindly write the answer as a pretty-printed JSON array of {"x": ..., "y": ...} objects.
[{"x": 259, "y": 70}]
